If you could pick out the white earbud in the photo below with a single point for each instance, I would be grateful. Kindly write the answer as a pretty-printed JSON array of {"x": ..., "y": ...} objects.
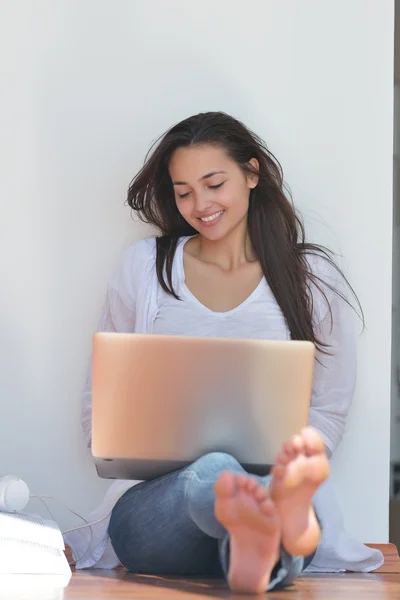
[{"x": 14, "y": 494}]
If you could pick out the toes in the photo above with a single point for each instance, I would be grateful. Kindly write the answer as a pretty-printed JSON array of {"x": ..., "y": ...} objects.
[
  {"x": 298, "y": 443},
  {"x": 278, "y": 472},
  {"x": 313, "y": 442},
  {"x": 242, "y": 481},
  {"x": 290, "y": 450},
  {"x": 261, "y": 493},
  {"x": 267, "y": 507},
  {"x": 225, "y": 485},
  {"x": 308, "y": 441},
  {"x": 282, "y": 459},
  {"x": 294, "y": 446},
  {"x": 251, "y": 485}
]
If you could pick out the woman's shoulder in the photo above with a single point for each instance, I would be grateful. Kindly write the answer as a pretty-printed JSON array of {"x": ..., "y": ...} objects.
[
  {"x": 146, "y": 249},
  {"x": 134, "y": 264},
  {"x": 139, "y": 256},
  {"x": 138, "y": 261},
  {"x": 141, "y": 250}
]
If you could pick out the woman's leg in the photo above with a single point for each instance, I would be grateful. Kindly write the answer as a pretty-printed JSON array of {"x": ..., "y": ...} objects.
[
  {"x": 152, "y": 531},
  {"x": 300, "y": 469},
  {"x": 201, "y": 504},
  {"x": 168, "y": 526}
]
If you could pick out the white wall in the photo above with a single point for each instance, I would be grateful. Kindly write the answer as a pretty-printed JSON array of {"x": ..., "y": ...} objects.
[
  {"x": 86, "y": 87},
  {"x": 395, "y": 402}
]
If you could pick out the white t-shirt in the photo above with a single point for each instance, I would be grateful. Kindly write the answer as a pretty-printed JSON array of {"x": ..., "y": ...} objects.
[{"x": 252, "y": 319}]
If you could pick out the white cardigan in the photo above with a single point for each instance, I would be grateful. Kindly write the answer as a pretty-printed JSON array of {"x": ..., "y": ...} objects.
[{"x": 131, "y": 306}]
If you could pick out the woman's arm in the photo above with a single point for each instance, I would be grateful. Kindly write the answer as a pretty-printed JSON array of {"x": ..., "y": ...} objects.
[{"x": 335, "y": 375}]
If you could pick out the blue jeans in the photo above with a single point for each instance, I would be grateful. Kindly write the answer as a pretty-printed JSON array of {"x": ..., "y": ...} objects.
[{"x": 167, "y": 526}]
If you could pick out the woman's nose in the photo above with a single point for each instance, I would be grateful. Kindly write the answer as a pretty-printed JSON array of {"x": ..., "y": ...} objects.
[{"x": 201, "y": 202}]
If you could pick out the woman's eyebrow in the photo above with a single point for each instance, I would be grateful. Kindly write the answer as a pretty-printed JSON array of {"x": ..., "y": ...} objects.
[{"x": 206, "y": 176}]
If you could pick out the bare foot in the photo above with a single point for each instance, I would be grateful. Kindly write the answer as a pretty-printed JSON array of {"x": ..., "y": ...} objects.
[
  {"x": 300, "y": 469},
  {"x": 246, "y": 510}
]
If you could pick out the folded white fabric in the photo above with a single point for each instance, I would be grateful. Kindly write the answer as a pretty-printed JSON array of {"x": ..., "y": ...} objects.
[{"x": 338, "y": 551}]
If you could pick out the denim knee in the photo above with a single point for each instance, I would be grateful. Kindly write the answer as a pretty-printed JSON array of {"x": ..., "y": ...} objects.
[
  {"x": 201, "y": 477},
  {"x": 214, "y": 462}
]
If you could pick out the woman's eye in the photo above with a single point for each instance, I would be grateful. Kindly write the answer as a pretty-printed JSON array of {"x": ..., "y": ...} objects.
[
  {"x": 183, "y": 195},
  {"x": 214, "y": 187}
]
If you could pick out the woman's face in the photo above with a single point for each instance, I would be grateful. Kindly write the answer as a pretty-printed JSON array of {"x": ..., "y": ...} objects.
[{"x": 211, "y": 190}]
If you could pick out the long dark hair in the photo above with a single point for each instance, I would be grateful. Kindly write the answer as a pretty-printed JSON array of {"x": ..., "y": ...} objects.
[{"x": 276, "y": 231}]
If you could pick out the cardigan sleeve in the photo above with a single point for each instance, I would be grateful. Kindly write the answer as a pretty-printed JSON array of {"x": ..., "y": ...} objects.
[
  {"x": 118, "y": 315},
  {"x": 334, "y": 373}
]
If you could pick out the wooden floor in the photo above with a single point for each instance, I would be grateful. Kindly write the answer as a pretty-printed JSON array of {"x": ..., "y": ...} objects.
[{"x": 99, "y": 585}]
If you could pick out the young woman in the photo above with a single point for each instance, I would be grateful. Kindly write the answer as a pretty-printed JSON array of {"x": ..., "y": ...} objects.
[{"x": 230, "y": 260}]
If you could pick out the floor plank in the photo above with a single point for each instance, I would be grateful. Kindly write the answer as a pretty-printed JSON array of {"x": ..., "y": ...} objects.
[
  {"x": 383, "y": 584},
  {"x": 104, "y": 585},
  {"x": 391, "y": 556}
]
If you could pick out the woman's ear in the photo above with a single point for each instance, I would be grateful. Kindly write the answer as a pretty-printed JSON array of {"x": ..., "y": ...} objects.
[{"x": 252, "y": 178}]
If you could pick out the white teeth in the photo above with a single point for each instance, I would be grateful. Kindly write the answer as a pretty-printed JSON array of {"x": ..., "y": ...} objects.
[{"x": 212, "y": 217}]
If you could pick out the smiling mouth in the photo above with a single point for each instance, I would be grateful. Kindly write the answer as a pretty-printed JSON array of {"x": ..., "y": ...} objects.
[{"x": 211, "y": 217}]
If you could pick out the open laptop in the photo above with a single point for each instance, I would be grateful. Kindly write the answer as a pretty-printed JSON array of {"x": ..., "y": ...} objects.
[{"x": 161, "y": 402}]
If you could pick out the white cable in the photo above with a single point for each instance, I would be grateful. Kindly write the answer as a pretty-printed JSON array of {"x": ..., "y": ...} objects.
[
  {"x": 81, "y": 558},
  {"x": 40, "y": 497},
  {"x": 87, "y": 524},
  {"x": 44, "y": 504}
]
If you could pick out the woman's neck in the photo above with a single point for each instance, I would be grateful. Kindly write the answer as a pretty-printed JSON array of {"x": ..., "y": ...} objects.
[{"x": 229, "y": 252}]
